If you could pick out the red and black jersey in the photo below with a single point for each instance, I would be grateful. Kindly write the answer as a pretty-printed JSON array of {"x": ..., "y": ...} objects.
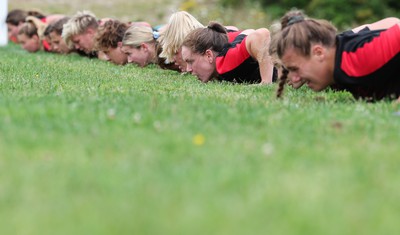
[
  {"x": 367, "y": 63},
  {"x": 232, "y": 35},
  {"x": 234, "y": 63}
]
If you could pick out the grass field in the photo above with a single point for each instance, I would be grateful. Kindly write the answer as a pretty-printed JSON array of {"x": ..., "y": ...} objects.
[{"x": 87, "y": 147}]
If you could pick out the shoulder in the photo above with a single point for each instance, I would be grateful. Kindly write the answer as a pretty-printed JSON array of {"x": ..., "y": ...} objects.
[
  {"x": 350, "y": 41},
  {"x": 261, "y": 35}
]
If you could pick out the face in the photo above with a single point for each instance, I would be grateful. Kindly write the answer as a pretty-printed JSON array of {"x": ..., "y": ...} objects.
[
  {"x": 137, "y": 55},
  {"x": 201, "y": 66},
  {"x": 312, "y": 70},
  {"x": 85, "y": 41},
  {"x": 116, "y": 56},
  {"x": 58, "y": 45},
  {"x": 12, "y": 32},
  {"x": 179, "y": 61},
  {"x": 30, "y": 44}
]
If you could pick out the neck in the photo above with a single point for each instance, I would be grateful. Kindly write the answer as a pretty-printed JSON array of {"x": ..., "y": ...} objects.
[
  {"x": 152, "y": 53},
  {"x": 330, "y": 58}
]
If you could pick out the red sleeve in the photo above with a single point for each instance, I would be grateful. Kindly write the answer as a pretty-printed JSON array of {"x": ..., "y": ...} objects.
[
  {"x": 372, "y": 55},
  {"x": 234, "y": 57},
  {"x": 46, "y": 45}
]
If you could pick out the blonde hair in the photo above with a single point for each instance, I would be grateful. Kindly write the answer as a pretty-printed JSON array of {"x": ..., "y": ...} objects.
[
  {"x": 179, "y": 25},
  {"x": 78, "y": 24},
  {"x": 136, "y": 35}
]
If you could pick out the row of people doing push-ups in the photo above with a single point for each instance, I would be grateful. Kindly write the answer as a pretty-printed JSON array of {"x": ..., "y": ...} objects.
[{"x": 364, "y": 61}]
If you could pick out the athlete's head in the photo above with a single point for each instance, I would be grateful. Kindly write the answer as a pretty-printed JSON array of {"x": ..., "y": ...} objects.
[
  {"x": 109, "y": 40},
  {"x": 179, "y": 25},
  {"x": 200, "y": 48},
  {"x": 80, "y": 30},
  {"x": 301, "y": 46},
  {"x": 15, "y": 19},
  {"x": 139, "y": 44},
  {"x": 58, "y": 45},
  {"x": 30, "y": 34}
]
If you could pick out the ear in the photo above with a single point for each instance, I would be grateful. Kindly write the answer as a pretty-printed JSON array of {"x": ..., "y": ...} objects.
[
  {"x": 318, "y": 51},
  {"x": 209, "y": 55},
  {"x": 119, "y": 44},
  {"x": 144, "y": 46},
  {"x": 90, "y": 31},
  {"x": 36, "y": 37}
]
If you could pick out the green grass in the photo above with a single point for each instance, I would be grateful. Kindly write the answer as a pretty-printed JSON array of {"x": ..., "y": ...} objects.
[{"x": 87, "y": 147}]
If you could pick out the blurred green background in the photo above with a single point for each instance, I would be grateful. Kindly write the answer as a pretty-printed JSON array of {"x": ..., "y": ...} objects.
[{"x": 244, "y": 14}]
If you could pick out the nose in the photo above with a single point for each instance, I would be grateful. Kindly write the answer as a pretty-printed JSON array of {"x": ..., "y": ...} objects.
[
  {"x": 294, "y": 77},
  {"x": 77, "y": 47},
  {"x": 189, "y": 68}
]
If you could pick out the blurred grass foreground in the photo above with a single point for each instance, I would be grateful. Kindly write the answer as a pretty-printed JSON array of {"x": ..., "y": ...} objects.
[{"x": 87, "y": 147}]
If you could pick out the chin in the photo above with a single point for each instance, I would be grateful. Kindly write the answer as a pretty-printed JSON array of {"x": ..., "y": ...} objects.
[
  {"x": 319, "y": 88},
  {"x": 203, "y": 80}
]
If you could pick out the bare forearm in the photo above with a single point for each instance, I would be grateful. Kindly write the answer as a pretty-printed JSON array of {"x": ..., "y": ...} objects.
[
  {"x": 382, "y": 24},
  {"x": 266, "y": 69},
  {"x": 258, "y": 44}
]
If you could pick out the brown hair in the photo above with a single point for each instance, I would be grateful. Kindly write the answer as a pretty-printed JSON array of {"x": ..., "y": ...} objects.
[
  {"x": 109, "y": 34},
  {"x": 213, "y": 37},
  {"x": 302, "y": 34},
  {"x": 29, "y": 29},
  {"x": 33, "y": 26},
  {"x": 48, "y": 30},
  {"x": 57, "y": 26},
  {"x": 36, "y": 14},
  {"x": 282, "y": 82},
  {"x": 299, "y": 33},
  {"x": 17, "y": 16}
]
